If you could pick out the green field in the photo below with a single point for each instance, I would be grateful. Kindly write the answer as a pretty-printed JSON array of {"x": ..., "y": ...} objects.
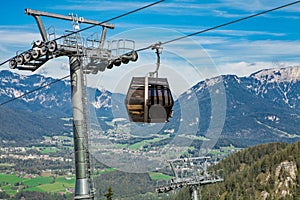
[
  {"x": 103, "y": 171},
  {"x": 8, "y": 182},
  {"x": 59, "y": 185},
  {"x": 10, "y": 178},
  {"x": 47, "y": 150},
  {"x": 11, "y": 183},
  {"x": 139, "y": 145},
  {"x": 34, "y": 182},
  {"x": 159, "y": 176}
]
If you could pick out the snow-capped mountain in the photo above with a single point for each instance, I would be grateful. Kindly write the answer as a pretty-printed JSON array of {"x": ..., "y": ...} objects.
[
  {"x": 277, "y": 85},
  {"x": 288, "y": 74},
  {"x": 262, "y": 107},
  {"x": 54, "y": 98},
  {"x": 40, "y": 112}
]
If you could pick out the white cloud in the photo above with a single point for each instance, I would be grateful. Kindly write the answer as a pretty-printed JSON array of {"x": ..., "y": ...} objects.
[
  {"x": 242, "y": 68},
  {"x": 17, "y": 37},
  {"x": 245, "y": 68},
  {"x": 56, "y": 68},
  {"x": 260, "y": 50}
]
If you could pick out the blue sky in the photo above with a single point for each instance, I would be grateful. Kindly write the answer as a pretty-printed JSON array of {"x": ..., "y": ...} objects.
[{"x": 267, "y": 41}]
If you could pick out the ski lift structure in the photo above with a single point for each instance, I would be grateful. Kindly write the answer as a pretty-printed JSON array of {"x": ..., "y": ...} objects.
[
  {"x": 149, "y": 99},
  {"x": 96, "y": 57},
  {"x": 191, "y": 173},
  {"x": 89, "y": 56}
]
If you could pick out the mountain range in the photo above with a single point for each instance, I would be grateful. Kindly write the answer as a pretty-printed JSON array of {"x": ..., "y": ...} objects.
[
  {"x": 260, "y": 108},
  {"x": 263, "y": 107}
]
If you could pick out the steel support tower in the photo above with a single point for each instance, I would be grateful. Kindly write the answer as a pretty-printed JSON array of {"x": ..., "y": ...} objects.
[
  {"x": 84, "y": 188},
  {"x": 83, "y": 185},
  {"x": 97, "y": 58}
]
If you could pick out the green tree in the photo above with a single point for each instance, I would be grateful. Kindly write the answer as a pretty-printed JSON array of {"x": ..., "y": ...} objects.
[{"x": 109, "y": 194}]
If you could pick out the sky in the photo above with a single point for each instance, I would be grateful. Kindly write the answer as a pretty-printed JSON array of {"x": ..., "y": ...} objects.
[{"x": 270, "y": 40}]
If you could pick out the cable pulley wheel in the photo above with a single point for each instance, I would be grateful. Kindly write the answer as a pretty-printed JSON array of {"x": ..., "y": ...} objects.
[
  {"x": 35, "y": 53},
  {"x": 20, "y": 60},
  {"x": 27, "y": 56},
  {"x": 52, "y": 46},
  {"x": 13, "y": 63},
  {"x": 43, "y": 50}
]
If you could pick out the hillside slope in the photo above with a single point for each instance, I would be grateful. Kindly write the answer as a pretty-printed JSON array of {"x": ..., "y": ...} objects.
[{"x": 268, "y": 171}]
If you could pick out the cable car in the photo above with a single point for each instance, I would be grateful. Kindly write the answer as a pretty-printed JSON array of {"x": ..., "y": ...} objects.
[{"x": 149, "y": 100}]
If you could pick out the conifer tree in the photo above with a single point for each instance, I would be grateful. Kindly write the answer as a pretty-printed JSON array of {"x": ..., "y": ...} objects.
[{"x": 109, "y": 194}]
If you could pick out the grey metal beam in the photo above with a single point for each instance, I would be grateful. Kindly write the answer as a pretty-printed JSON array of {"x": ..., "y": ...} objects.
[
  {"x": 69, "y": 18},
  {"x": 41, "y": 28}
]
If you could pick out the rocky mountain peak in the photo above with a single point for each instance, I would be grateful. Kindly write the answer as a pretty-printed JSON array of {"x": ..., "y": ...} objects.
[
  {"x": 286, "y": 74},
  {"x": 285, "y": 180}
]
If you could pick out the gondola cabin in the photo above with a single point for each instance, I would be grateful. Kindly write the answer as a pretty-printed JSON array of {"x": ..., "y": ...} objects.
[{"x": 149, "y": 100}]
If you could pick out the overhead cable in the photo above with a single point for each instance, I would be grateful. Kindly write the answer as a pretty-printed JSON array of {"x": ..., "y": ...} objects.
[
  {"x": 122, "y": 15},
  {"x": 89, "y": 27},
  {"x": 221, "y": 25},
  {"x": 166, "y": 42},
  {"x": 111, "y": 19}
]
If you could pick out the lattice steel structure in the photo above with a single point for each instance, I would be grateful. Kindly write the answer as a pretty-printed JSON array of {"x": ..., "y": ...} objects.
[{"x": 189, "y": 172}]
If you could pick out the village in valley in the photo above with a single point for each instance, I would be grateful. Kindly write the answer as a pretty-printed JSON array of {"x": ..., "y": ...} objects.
[{"x": 49, "y": 164}]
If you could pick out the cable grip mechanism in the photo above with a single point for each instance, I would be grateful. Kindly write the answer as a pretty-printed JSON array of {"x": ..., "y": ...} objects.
[{"x": 158, "y": 49}]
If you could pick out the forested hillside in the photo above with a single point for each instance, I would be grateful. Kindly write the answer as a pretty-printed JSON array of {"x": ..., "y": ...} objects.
[{"x": 268, "y": 171}]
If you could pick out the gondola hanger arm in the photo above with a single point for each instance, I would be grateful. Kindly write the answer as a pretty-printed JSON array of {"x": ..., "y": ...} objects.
[{"x": 158, "y": 49}]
